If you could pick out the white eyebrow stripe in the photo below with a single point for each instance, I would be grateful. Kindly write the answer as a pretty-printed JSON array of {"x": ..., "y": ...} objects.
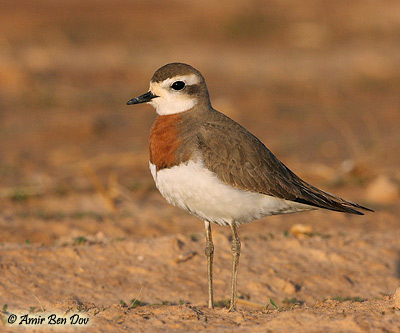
[{"x": 189, "y": 80}]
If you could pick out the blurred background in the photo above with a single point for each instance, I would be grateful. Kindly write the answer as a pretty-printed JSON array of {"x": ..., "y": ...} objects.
[{"x": 318, "y": 82}]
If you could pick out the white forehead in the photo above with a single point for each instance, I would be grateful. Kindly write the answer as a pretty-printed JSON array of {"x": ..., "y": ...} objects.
[
  {"x": 189, "y": 80},
  {"x": 170, "y": 101}
]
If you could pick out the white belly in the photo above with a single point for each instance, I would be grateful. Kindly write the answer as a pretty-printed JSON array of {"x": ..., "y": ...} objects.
[{"x": 193, "y": 187}]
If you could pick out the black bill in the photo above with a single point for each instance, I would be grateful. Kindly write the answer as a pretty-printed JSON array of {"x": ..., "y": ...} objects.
[{"x": 147, "y": 97}]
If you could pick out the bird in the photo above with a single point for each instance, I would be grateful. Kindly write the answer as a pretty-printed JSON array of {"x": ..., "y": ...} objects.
[{"x": 206, "y": 163}]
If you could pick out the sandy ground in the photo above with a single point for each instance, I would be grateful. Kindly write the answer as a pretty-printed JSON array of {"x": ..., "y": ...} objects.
[{"x": 83, "y": 229}]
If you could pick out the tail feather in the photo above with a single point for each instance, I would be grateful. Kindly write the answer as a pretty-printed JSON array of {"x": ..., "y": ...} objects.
[{"x": 322, "y": 199}]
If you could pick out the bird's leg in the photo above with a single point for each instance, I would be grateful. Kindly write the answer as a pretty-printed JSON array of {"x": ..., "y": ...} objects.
[
  {"x": 209, "y": 251},
  {"x": 236, "y": 253}
]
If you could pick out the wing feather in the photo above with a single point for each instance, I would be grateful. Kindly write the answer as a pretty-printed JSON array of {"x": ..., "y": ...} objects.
[{"x": 241, "y": 160}]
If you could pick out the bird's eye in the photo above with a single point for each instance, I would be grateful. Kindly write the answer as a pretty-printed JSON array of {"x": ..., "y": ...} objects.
[{"x": 178, "y": 85}]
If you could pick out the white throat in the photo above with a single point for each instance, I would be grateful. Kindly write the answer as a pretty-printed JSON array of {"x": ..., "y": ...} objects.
[
  {"x": 170, "y": 101},
  {"x": 165, "y": 106}
]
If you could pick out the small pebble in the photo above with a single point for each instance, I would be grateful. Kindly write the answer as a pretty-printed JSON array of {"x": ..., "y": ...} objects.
[{"x": 396, "y": 299}]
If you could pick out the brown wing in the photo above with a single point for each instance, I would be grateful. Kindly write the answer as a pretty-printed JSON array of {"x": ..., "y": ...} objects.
[{"x": 241, "y": 160}]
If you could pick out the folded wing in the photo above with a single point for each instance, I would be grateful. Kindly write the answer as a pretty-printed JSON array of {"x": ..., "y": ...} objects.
[{"x": 242, "y": 161}]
